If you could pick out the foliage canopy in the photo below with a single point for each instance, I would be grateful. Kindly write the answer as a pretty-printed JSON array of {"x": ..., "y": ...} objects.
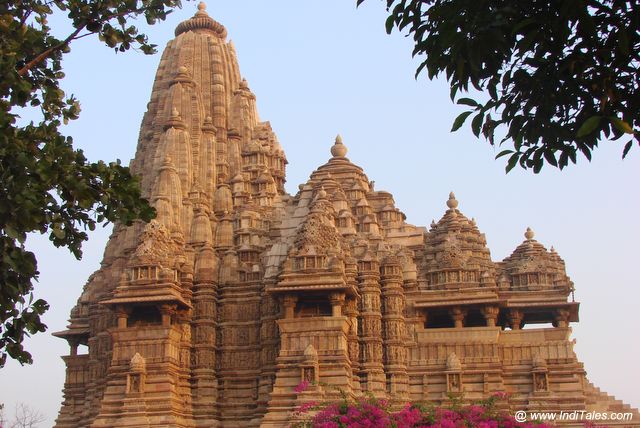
[
  {"x": 48, "y": 186},
  {"x": 558, "y": 77}
]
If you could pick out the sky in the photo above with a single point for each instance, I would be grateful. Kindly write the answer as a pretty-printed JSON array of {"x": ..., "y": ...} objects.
[{"x": 323, "y": 67}]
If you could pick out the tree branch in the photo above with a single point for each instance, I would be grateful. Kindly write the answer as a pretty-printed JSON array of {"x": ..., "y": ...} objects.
[{"x": 44, "y": 55}]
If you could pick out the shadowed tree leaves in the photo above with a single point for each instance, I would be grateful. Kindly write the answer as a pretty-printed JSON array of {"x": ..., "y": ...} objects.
[
  {"x": 48, "y": 186},
  {"x": 558, "y": 77}
]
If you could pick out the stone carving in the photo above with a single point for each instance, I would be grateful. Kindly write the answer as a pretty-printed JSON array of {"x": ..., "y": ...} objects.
[
  {"x": 155, "y": 243},
  {"x": 238, "y": 290},
  {"x": 453, "y": 362},
  {"x": 454, "y": 384},
  {"x": 136, "y": 376}
]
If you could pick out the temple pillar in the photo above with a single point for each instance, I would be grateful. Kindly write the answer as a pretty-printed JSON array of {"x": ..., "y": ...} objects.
[
  {"x": 122, "y": 315},
  {"x": 515, "y": 318},
  {"x": 458, "y": 314},
  {"x": 394, "y": 329},
  {"x": 336, "y": 300},
  {"x": 490, "y": 314},
  {"x": 562, "y": 318},
  {"x": 73, "y": 345},
  {"x": 167, "y": 311},
  {"x": 289, "y": 303},
  {"x": 204, "y": 323},
  {"x": 372, "y": 376}
]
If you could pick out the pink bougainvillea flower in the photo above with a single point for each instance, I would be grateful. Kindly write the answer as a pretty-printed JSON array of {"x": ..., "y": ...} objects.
[{"x": 302, "y": 386}]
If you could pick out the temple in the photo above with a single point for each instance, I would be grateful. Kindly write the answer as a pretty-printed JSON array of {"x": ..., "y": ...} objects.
[{"x": 211, "y": 314}]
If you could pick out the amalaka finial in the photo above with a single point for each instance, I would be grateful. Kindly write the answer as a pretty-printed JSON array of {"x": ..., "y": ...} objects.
[
  {"x": 202, "y": 21},
  {"x": 452, "y": 202},
  {"x": 338, "y": 150},
  {"x": 529, "y": 234}
]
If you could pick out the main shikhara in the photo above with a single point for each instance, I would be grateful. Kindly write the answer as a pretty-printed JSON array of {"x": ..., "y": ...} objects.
[{"x": 211, "y": 314}]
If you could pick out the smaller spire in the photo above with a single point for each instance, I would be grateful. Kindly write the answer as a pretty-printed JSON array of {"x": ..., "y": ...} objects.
[
  {"x": 174, "y": 121},
  {"x": 207, "y": 125},
  {"x": 338, "y": 150},
  {"x": 452, "y": 202},
  {"x": 182, "y": 75},
  {"x": 529, "y": 234},
  {"x": 322, "y": 194}
]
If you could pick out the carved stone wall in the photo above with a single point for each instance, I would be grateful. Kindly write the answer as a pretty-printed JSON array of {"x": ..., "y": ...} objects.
[{"x": 211, "y": 314}]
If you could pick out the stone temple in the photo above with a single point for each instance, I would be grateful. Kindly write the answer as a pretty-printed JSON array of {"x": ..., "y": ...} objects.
[{"x": 210, "y": 315}]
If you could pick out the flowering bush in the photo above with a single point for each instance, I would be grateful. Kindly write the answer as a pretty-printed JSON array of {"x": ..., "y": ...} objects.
[{"x": 373, "y": 413}]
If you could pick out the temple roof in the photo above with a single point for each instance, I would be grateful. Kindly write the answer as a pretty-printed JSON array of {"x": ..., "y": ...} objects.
[
  {"x": 456, "y": 242},
  {"x": 531, "y": 256}
]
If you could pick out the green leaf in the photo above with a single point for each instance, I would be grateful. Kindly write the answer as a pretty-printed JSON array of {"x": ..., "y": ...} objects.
[
  {"x": 627, "y": 147},
  {"x": 550, "y": 157},
  {"x": 389, "y": 24},
  {"x": 476, "y": 124},
  {"x": 460, "y": 120},
  {"x": 588, "y": 126},
  {"x": 453, "y": 92},
  {"x": 513, "y": 160},
  {"x": 503, "y": 153},
  {"x": 621, "y": 125},
  {"x": 467, "y": 102}
]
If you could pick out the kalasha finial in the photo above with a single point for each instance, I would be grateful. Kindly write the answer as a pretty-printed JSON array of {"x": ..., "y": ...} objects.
[
  {"x": 452, "y": 202},
  {"x": 202, "y": 6},
  {"x": 338, "y": 150},
  {"x": 529, "y": 234}
]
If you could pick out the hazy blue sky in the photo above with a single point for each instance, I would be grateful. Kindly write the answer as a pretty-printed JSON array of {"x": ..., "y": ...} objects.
[{"x": 319, "y": 68}]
